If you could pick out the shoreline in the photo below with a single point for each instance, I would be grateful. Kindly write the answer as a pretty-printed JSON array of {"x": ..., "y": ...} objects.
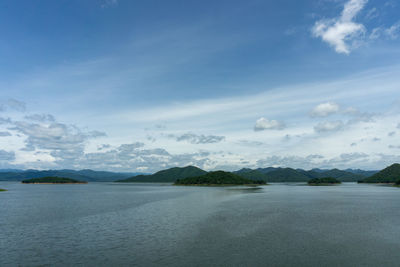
[
  {"x": 56, "y": 183},
  {"x": 219, "y": 185},
  {"x": 324, "y": 184}
]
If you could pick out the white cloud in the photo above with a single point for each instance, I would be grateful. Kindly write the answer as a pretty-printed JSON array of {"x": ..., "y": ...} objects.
[
  {"x": 393, "y": 31},
  {"x": 325, "y": 109},
  {"x": 266, "y": 124},
  {"x": 342, "y": 33},
  {"x": 329, "y": 126}
]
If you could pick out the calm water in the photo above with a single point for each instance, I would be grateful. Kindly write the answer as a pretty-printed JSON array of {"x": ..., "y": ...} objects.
[{"x": 103, "y": 224}]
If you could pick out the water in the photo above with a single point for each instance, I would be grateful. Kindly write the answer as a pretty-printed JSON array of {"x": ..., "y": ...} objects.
[{"x": 105, "y": 224}]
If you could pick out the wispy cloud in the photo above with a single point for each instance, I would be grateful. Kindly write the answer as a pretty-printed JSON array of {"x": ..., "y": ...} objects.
[
  {"x": 108, "y": 3},
  {"x": 197, "y": 138}
]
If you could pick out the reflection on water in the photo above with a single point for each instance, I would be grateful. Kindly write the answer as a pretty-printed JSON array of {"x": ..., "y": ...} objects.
[{"x": 105, "y": 224}]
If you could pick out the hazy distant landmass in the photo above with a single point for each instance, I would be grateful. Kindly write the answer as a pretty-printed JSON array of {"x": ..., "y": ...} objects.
[
  {"x": 166, "y": 176},
  {"x": 269, "y": 174},
  {"x": 298, "y": 175},
  {"x": 52, "y": 180},
  {"x": 83, "y": 175},
  {"x": 390, "y": 174},
  {"x": 324, "y": 181},
  {"x": 218, "y": 178}
]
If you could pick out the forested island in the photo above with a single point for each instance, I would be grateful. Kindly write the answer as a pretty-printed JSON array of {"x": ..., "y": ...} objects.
[
  {"x": 218, "y": 178},
  {"x": 2, "y": 190},
  {"x": 52, "y": 180},
  {"x": 323, "y": 181}
]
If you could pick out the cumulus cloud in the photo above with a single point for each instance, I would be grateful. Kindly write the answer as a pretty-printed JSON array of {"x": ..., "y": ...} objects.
[
  {"x": 266, "y": 124},
  {"x": 198, "y": 139},
  {"x": 391, "y": 134},
  {"x": 329, "y": 126},
  {"x": 325, "y": 109},
  {"x": 342, "y": 33}
]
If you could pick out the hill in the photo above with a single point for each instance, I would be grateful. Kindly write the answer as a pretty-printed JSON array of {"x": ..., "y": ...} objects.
[
  {"x": 52, "y": 180},
  {"x": 217, "y": 178},
  {"x": 323, "y": 181},
  {"x": 166, "y": 176},
  {"x": 84, "y": 175},
  {"x": 390, "y": 174}
]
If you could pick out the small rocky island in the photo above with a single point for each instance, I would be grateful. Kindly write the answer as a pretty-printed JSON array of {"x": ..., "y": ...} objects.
[
  {"x": 323, "y": 181},
  {"x": 52, "y": 180},
  {"x": 218, "y": 178}
]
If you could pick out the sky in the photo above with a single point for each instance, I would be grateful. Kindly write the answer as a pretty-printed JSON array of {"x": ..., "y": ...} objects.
[{"x": 140, "y": 86}]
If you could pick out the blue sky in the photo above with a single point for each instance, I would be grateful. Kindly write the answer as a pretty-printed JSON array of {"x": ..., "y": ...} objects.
[{"x": 145, "y": 85}]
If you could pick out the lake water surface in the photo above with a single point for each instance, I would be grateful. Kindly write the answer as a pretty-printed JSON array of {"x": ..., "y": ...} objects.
[{"x": 105, "y": 224}]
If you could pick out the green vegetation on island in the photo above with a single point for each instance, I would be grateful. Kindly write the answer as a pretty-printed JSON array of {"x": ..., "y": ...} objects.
[
  {"x": 52, "y": 180},
  {"x": 218, "y": 178},
  {"x": 390, "y": 174},
  {"x": 2, "y": 190},
  {"x": 165, "y": 176},
  {"x": 323, "y": 181}
]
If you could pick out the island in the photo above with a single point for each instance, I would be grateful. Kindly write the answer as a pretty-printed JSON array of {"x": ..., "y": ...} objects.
[
  {"x": 52, "y": 180},
  {"x": 2, "y": 190},
  {"x": 389, "y": 175},
  {"x": 323, "y": 181},
  {"x": 218, "y": 178}
]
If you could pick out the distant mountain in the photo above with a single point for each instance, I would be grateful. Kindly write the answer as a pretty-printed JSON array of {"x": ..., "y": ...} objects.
[
  {"x": 9, "y": 170},
  {"x": 83, "y": 175},
  {"x": 342, "y": 176},
  {"x": 298, "y": 175},
  {"x": 390, "y": 174},
  {"x": 267, "y": 170},
  {"x": 362, "y": 172},
  {"x": 217, "y": 178},
  {"x": 166, "y": 176}
]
